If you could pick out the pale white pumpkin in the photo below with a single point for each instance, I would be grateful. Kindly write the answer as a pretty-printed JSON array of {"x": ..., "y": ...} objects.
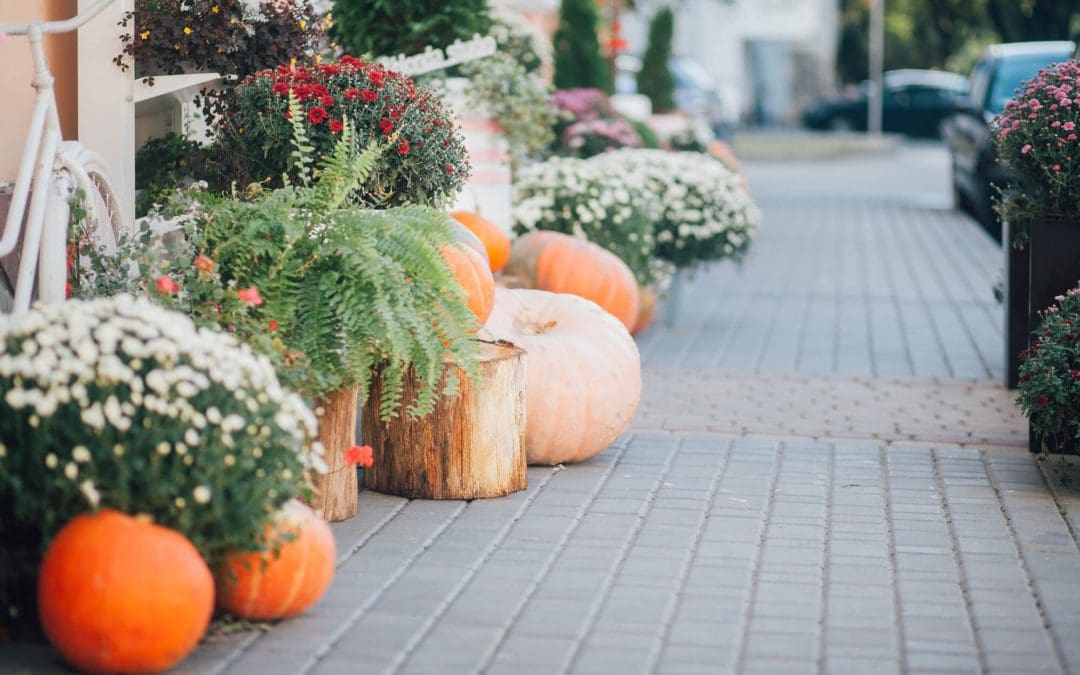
[{"x": 583, "y": 369}]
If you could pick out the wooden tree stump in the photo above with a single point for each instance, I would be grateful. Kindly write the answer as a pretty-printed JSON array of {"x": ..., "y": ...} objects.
[
  {"x": 471, "y": 446},
  {"x": 337, "y": 491}
]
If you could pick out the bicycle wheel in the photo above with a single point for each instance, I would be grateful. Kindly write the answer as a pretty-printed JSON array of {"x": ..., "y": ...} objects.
[{"x": 105, "y": 223}]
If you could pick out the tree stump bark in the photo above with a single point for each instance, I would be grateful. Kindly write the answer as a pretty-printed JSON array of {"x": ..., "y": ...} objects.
[
  {"x": 471, "y": 446},
  {"x": 337, "y": 492}
]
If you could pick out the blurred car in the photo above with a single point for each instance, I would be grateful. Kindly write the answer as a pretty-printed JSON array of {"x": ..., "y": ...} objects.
[
  {"x": 914, "y": 103},
  {"x": 993, "y": 81},
  {"x": 696, "y": 92}
]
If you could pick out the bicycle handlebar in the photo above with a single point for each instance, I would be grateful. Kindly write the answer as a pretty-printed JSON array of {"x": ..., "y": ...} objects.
[{"x": 65, "y": 26}]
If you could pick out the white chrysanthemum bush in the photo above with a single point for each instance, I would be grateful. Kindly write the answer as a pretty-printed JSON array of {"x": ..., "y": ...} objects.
[
  {"x": 590, "y": 201},
  {"x": 120, "y": 403},
  {"x": 702, "y": 212}
]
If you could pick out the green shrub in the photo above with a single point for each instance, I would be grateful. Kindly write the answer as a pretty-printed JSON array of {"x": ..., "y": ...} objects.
[
  {"x": 578, "y": 61},
  {"x": 655, "y": 79},
  {"x": 390, "y": 27}
]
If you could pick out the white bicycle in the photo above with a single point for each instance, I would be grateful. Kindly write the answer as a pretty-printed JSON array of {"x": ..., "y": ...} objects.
[{"x": 51, "y": 173}]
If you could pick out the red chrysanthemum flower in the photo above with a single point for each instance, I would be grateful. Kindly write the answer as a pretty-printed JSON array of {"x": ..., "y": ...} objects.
[
  {"x": 317, "y": 115},
  {"x": 375, "y": 77},
  {"x": 369, "y": 96},
  {"x": 359, "y": 454},
  {"x": 280, "y": 88},
  {"x": 352, "y": 94},
  {"x": 386, "y": 125},
  {"x": 273, "y": 325},
  {"x": 250, "y": 296},
  {"x": 336, "y": 126},
  {"x": 165, "y": 285},
  {"x": 1042, "y": 401},
  {"x": 403, "y": 147},
  {"x": 328, "y": 101}
]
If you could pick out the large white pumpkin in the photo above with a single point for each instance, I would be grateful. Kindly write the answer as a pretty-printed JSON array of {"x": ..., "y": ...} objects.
[{"x": 584, "y": 372}]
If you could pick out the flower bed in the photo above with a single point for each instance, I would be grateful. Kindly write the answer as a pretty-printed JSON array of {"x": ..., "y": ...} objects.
[
  {"x": 1050, "y": 377},
  {"x": 702, "y": 211},
  {"x": 589, "y": 201}
]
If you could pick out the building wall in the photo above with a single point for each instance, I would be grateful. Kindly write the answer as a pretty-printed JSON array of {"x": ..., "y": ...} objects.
[{"x": 15, "y": 89}]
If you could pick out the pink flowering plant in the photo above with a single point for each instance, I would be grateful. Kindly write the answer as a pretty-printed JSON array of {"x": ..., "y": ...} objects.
[
  {"x": 1038, "y": 141},
  {"x": 1050, "y": 376},
  {"x": 590, "y": 126},
  {"x": 426, "y": 163}
]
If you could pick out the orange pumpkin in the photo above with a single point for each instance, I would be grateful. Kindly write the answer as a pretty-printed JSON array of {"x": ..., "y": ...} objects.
[
  {"x": 494, "y": 239},
  {"x": 582, "y": 367},
  {"x": 646, "y": 311},
  {"x": 116, "y": 594},
  {"x": 556, "y": 262},
  {"x": 472, "y": 272},
  {"x": 464, "y": 235},
  {"x": 262, "y": 585}
]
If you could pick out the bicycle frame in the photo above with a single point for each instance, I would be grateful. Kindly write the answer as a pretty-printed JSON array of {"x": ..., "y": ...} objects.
[{"x": 45, "y": 232}]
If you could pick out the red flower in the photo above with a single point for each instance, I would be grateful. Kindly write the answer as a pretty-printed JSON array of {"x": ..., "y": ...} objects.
[
  {"x": 386, "y": 125},
  {"x": 288, "y": 115},
  {"x": 1042, "y": 401},
  {"x": 369, "y": 95},
  {"x": 317, "y": 115},
  {"x": 328, "y": 101},
  {"x": 67, "y": 290},
  {"x": 375, "y": 77},
  {"x": 450, "y": 169},
  {"x": 250, "y": 296},
  {"x": 403, "y": 147},
  {"x": 1074, "y": 375},
  {"x": 336, "y": 126},
  {"x": 280, "y": 88},
  {"x": 273, "y": 325},
  {"x": 204, "y": 264},
  {"x": 352, "y": 93},
  {"x": 166, "y": 286},
  {"x": 359, "y": 454}
]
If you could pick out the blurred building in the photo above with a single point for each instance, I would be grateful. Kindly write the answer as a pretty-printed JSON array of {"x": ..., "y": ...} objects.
[{"x": 766, "y": 58}]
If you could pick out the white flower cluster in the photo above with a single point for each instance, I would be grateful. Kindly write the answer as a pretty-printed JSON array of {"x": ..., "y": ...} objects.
[
  {"x": 590, "y": 201},
  {"x": 701, "y": 210},
  {"x": 112, "y": 357}
]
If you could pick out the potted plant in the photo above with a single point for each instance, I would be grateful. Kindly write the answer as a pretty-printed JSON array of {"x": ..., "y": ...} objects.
[
  {"x": 331, "y": 290},
  {"x": 170, "y": 37},
  {"x": 1050, "y": 378},
  {"x": 425, "y": 165},
  {"x": 1038, "y": 141},
  {"x": 119, "y": 403}
]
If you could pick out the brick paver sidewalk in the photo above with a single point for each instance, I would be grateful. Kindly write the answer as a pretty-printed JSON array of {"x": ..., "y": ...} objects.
[{"x": 824, "y": 477}]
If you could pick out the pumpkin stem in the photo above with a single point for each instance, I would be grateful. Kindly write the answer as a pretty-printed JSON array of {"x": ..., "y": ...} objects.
[{"x": 540, "y": 330}]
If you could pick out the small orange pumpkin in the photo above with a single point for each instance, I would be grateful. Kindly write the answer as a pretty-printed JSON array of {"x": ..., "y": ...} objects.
[
  {"x": 116, "y": 594},
  {"x": 262, "y": 586},
  {"x": 495, "y": 240},
  {"x": 582, "y": 367},
  {"x": 472, "y": 272},
  {"x": 646, "y": 311},
  {"x": 556, "y": 262}
]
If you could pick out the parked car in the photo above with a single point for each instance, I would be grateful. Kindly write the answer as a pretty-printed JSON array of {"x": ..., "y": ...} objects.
[
  {"x": 993, "y": 81},
  {"x": 696, "y": 92},
  {"x": 914, "y": 102}
]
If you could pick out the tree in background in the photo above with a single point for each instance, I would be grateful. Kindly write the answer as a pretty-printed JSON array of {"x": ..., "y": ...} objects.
[
  {"x": 391, "y": 27},
  {"x": 655, "y": 79},
  {"x": 1032, "y": 20},
  {"x": 940, "y": 33},
  {"x": 578, "y": 61}
]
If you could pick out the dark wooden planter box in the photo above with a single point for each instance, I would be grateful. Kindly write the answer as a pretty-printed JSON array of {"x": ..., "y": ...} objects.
[{"x": 1047, "y": 266}]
